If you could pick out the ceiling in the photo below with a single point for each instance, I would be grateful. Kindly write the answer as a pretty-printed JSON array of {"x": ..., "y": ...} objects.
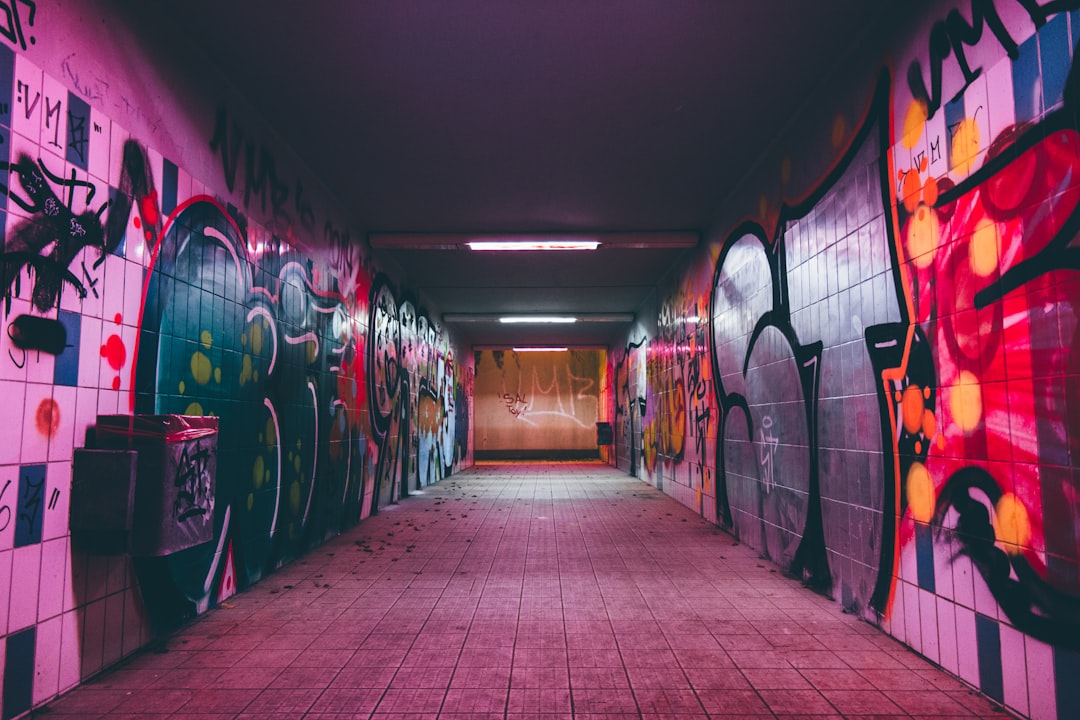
[{"x": 526, "y": 116}]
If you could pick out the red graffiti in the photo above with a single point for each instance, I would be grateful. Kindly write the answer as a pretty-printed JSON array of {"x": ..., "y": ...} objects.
[{"x": 47, "y": 418}]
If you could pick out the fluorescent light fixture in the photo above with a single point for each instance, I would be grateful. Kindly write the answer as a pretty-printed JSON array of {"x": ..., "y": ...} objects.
[
  {"x": 533, "y": 244},
  {"x": 537, "y": 319},
  {"x": 456, "y": 318},
  {"x": 580, "y": 240},
  {"x": 539, "y": 349}
]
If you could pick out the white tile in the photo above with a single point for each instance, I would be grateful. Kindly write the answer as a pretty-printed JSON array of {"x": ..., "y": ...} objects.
[
  {"x": 133, "y": 293},
  {"x": 5, "y": 596},
  {"x": 54, "y": 570},
  {"x": 113, "y": 648},
  {"x": 93, "y": 634},
  {"x": 109, "y": 403},
  {"x": 912, "y": 619},
  {"x": 90, "y": 352},
  {"x": 1042, "y": 689},
  {"x": 86, "y": 412},
  {"x": 35, "y": 443},
  {"x": 54, "y": 117},
  {"x": 963, "y": 577},
  {"x": 1014, "y": 668},
  {"x": 12, "y": 397},
  {"x": 75, "y": 581},
  {"x": 58, "y": 501},
  {"x": 117, "y": 137},
  {"x": 47, "y": 660},
  {"x": 946, "y": 617},
  {"x": 111, "y": 288},
  {"x": 1000, "y": 102},
  {"x": 9, "y": 493},
  {"x": 25, "y": 572},
  {"x": 897, "y": 621},
  {"x": 99, "y": 130},
  {"x": 41, "y": 366},
  {"x": 929, "y": 625},
  {"x": 28, "y": 101},
  {"x": 70, "y": 650},
  {"x": 63, "y": 436},
  {"x": 967, "y": 646},
  {"x": 12, "y": 359},
  {"x": 985, "y": 602}
]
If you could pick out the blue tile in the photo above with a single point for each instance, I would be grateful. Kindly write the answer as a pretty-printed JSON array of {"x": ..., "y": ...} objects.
[
  {"x": 7, "y": 78},
  {"x": 988, "y": 640},
  {"x": 169, "y": 183},
  {"x": 924, "y": 556},
  {"x": 1054, "y": 57},
  {"x": 954, "y": 115},
  {"x": 28, "y": 516},
  {"x": 66, "y": 368},
  {"x": 19, "y": 672},
  {"x": 78, "y": 133},
  {"x": 1025, "y": 73}
]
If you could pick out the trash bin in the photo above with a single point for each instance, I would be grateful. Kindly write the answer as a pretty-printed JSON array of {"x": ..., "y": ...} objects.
[
  {"x": 604, "y": 435},
  {"x": 175, "y": 478}
]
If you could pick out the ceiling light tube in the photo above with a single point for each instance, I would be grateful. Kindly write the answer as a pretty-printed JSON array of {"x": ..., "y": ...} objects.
[
  {"x": 539, "y": 349},
  {"x": 537, "y": 319},
  {"x": 533, "y": 244}
]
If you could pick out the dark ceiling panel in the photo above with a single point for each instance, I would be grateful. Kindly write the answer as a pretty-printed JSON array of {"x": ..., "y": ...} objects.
[{"x": 474, "y": 116}]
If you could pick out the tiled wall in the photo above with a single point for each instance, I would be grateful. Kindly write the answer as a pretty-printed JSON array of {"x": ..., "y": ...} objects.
[
  {"x": 876, "y": 384},
  {"x": 174, "y": 290}
]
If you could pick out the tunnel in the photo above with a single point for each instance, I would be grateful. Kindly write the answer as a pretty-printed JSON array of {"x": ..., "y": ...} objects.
[{"x": 539, "y": 360}]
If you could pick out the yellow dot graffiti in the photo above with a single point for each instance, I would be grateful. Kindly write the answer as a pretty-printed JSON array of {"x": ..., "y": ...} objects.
[
  {"x": 257, "y": 336},
  {"x": 965, "y": 402},
  {"x": 257, "y": 472},
  {"x": 965, "y": 146},
  {"x": 194, "y": 409},
  {"x": 983, "y": 248},
  {"x": 247, "y": 373},
  {"x": 206, "y": 339},
  {"x": 920, "y": 493},
  {"x": 217, "y": 375},
  {"x": 1012, "y": 524},
  {"x": 914, "y": 123},
  {"x": 294, "y": 496},
  {"x": 923, "y": 236},
  {"x": 201, "y": 368}
]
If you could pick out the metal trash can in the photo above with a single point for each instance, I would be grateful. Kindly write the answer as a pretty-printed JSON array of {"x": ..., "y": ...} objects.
[{"x": 175, "y": 478}]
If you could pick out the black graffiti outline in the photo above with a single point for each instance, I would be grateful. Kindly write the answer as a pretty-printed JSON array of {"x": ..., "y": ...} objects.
[
  {"x": 13, "y": 31},
  {"x": 5, "y": 510},
  {"x": 951, "y": 35},
  {"x": 810, "y": 558}
]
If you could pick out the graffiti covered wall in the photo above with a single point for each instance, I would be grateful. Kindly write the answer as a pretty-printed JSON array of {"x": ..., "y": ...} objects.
[
  {"x": 538, "y": 404},
  {"x": 874, "y": 383},
  {"x": 226, "y": 285}
]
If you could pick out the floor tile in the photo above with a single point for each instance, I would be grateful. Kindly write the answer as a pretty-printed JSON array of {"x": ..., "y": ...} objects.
[{"x": 543, "y": 592}]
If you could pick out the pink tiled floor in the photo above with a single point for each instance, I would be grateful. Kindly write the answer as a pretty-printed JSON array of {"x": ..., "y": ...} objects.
[{"x": 537, "y": 592}]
